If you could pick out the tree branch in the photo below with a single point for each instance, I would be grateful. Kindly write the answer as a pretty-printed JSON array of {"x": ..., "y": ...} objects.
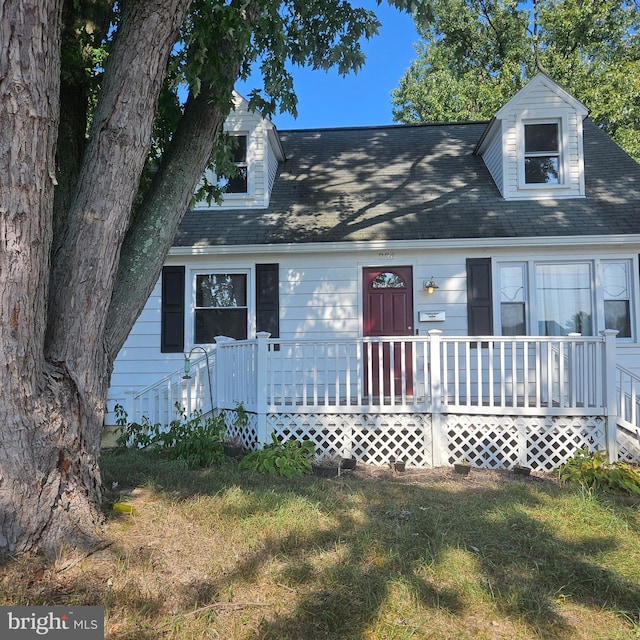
[
  {"x": 148, "y": 239},
  {"x": 84, "y": 265}
]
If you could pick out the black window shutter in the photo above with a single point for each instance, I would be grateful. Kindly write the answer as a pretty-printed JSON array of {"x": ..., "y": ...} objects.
[
  {"x": 268, "y": 298},
  {"x": 172, "y": 316},
  {"x": 479, "y": 302}
]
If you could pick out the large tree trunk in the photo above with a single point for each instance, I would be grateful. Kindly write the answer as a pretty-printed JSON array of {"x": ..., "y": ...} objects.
[
  {"x": 75, "y": 272},
  {"x": 29, "y": 85},
  {"x": 59, "y": 260},
  {"x": 54, "y": 368}
]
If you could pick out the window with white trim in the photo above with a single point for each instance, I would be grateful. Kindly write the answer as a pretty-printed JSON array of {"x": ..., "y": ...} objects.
[
  {"x": 616, "y": 287},
  {"x": 513, "y": 299},
  {"x": 239, "y": 182},
  {"x": 559, "y": 298},
  {"x": 563, "y": 298},
  {"x": 542, "y": 153},
  {"x": 220, "y": 306}
]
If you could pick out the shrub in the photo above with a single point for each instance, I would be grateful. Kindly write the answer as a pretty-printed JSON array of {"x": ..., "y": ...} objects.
[
  {"x": 194, "y": 439},
  {"x": 594, "y": 471},
  {"x": 288, "y": 458}
]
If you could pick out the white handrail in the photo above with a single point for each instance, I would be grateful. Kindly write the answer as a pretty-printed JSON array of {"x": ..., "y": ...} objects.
[
  {"x": 157, "y": 402},
  {"x": 628, "y": 395}
]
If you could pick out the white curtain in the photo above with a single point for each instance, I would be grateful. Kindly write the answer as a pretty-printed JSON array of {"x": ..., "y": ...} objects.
[{"x": 564, "y": 299}]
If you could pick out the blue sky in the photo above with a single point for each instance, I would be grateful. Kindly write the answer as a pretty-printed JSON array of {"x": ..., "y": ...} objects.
[{"x": 327, "y": 100}]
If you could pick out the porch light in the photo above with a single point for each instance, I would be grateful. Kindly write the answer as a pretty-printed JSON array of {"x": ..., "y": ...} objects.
[{"x": 430, "y": 285}]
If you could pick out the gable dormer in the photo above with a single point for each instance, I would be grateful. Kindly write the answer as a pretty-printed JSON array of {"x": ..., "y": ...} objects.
[
  {"x": 256, "y": 155},
  {"x": 533, "y": 146}
]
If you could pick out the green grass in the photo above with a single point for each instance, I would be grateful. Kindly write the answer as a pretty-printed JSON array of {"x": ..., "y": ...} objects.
[{"x": 223, "y": 553}]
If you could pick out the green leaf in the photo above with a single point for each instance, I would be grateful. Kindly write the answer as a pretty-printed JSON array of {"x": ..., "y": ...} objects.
[{"x": 474, "y": 56}]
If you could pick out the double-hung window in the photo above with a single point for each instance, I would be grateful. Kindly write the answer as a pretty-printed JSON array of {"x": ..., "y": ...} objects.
[
  {"x": 513, "y": 299},
  {"x": 220, "y": 306},
  {"x": 616, "y": 287},
  {"x": 564, "y": 300},
  {"x": 542, "y": 153},
  {"x": 239, "y": 182}
]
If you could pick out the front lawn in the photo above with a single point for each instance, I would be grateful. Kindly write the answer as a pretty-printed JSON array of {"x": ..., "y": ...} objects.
[{"x": 225, "y": 553}]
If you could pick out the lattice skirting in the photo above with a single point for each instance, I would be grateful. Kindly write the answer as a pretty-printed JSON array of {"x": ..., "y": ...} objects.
[
  {"x": 373, "y": 439},
  {"x": 490, "y": 442},
  {"x": 501, "y": 442},
  {"x": 628, "y": 446},
  {"x": 248, "y": 434}
]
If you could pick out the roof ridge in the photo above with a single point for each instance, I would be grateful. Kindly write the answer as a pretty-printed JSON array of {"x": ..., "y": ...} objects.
[{"x": 400, "y": 125}]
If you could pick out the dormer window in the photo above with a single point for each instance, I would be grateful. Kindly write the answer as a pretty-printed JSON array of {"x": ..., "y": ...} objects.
[
  {"x": 542, "y": 153},
  {"x": 533, "y": 146},
  {"x": 237, "y": 183}
]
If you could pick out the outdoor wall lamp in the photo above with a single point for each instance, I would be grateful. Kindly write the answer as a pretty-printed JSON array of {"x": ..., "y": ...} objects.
[
  {"x": 430, "y": 285},
  {"x": 187, "y": 369}
]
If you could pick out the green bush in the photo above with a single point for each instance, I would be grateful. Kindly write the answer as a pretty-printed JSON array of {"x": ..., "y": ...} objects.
[
  {"x": 288, "y": 458},
  {"x": 196, "y": 440},
  {"x": 594, "y": 471}
]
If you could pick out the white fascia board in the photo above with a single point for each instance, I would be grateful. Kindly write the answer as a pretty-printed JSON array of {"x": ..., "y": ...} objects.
[
  {"x": 492, "y": 130},
  {"x": 274, "y": 140},
  {"x": 521, "y": 97},
  {"x": 600, "y": 241}
]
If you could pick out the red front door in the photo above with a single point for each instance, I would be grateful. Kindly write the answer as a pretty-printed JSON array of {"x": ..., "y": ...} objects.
[{"x": 388, "y": 311}]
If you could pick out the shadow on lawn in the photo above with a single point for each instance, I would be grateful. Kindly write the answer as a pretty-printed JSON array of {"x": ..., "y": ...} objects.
[
  {"x": 524, "y": 569},
  {"x": 400, "y": 543}
]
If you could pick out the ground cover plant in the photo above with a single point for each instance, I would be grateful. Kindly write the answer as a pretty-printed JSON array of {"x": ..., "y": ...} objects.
[
  {"x": 592, "y": 470},
  {"x": 236, "y": 554},
  {"x": 286, "y": 458}
]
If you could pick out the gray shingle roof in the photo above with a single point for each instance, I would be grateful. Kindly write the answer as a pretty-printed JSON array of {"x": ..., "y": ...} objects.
[{"x": 405, "y": 182}]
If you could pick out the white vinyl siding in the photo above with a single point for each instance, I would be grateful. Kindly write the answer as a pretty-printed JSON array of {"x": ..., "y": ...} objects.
[
  {"x": 493, "y": 159},
  {"x": 321, "y": 297},
  {"x": 272, "y": 168}
]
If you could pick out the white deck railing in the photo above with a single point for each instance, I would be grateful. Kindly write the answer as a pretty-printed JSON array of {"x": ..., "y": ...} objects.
[
  {"x": 487, "y": 374},
  {"x": 570, "y": 375},
  {"x": 490, "y": 375},
  {"x": 525, "y": 375},
  {"x": 192, "y": 392}
]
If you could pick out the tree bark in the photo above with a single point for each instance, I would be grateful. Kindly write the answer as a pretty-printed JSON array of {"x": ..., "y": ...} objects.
[
  {"x": 75, "y": 272},
  {"x": 29, "y": 85},
  {"x": 149, "y": 237},
  {"x": 54, "y": 368}
]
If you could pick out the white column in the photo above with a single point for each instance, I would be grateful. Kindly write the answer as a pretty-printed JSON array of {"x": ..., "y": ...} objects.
[
  {"x": 261, "y": 386},
  {"x": 609, "y": 393},
  {"x": 438, "y": 440}
]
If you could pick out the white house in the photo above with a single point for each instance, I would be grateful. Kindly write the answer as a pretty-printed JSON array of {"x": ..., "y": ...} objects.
[{"x": 360, "y": 242}]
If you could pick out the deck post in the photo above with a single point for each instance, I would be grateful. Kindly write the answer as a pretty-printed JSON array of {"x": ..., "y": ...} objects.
[
  {"x": 130, "y": 405},
  {"x": 609, "y": 393},
  {"x": 438, "y": 442},
  {"x": 262, "y": 362},
  {"x": 221, "y": 375}
]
